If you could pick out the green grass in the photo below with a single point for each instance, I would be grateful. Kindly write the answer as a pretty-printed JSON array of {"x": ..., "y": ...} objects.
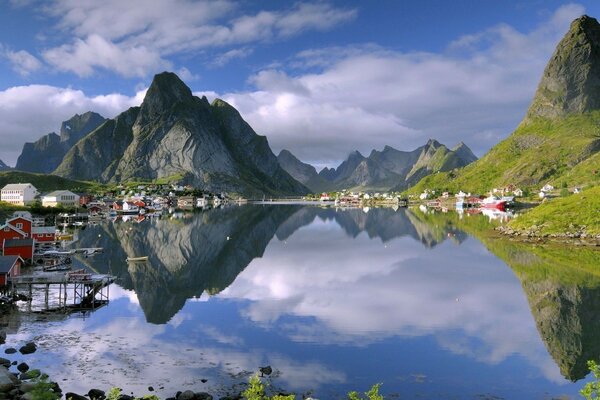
[
  {"x": 47, "y": 183},
  {"x": 539, "y": 151},
  {"x": 567, "y": 214}
]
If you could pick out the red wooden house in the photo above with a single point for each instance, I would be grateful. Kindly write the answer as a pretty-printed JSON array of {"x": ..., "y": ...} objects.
[
  {"x": 19, "y": 247},
  {"x": 21, "y": 223},
  {"x": 10, "y": 266},
  {"x": 8, "y": 231},
  {"x": 43, "y": 233}
]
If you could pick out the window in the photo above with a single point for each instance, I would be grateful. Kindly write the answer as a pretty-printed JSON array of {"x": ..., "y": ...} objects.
[{"x": 19, "y": 225}]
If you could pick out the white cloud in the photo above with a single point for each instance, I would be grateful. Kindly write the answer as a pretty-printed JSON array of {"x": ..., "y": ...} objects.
[
  {"x": 23, "y": 62},
  {"x": 84, "y": 56},
  {"x": 222, "y": 59},
  {"x": 28, "y": 112},
  {"x": 135, "y": 38},
  {"x": 364, "y": 97}
]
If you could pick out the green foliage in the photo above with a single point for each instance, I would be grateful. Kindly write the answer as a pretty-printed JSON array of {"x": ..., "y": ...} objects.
[
  {"x": 591, "y": 390},
  {"x": 44, "y": 390},
  {"x": 256, "y": 391},
  {"x": 371, "y": 394},
  {"x": 564, "y": 192},
  {"x": 113, "y": 394}
]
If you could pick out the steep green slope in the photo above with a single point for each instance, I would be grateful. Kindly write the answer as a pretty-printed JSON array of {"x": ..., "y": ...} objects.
[{"x": 539, "y": 151}]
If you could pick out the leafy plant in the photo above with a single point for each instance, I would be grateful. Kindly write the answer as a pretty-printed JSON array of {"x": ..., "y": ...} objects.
[
  {"x": 256, "y": 391},
  {"x": 113, "y": 394},
  {"x": 44, "y": 390},
  {"x": 372, "y": 394},
  {"x": 591, "y": 390}
]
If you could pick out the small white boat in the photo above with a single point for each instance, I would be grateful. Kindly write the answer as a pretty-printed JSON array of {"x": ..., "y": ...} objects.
[{"x": 136, "y": 259}]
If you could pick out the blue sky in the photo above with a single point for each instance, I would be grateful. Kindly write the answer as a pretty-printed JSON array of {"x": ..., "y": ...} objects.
[{"x": 321, "y": 78}]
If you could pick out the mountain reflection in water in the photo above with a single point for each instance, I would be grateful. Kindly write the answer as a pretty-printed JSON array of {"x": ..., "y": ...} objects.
[{"x": 299, "y": 274}]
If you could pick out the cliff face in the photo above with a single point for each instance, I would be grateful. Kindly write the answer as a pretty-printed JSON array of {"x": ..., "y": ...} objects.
[
  {"x": 302, "y": 172},
  {"x": 45, "y": 154},
  {"x": 571, "y": 80},
  {"x": 175, "y": 134},
  {"x": 4, "y": 167}
]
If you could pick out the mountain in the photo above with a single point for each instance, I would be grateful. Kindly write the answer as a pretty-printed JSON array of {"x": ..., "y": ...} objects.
[
  {"x": 45, "y": 154},
  {"x": 174, "y": 134},
  {"x": 558, "y": 141},
  {"x": 302, "y": 172},
  {"x": 4, "y": 167},
  {"x": 386, "y": 169}
]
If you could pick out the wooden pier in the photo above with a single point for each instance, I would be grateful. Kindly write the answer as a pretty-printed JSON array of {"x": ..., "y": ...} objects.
[{"x": 88, "y": 290}]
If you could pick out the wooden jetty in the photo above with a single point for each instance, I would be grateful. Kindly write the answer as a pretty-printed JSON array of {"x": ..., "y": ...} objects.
[{"x": 88, "y": 290}]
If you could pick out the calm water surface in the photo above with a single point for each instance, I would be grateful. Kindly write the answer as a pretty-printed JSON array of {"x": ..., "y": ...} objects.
[{"x": 333, "y": 300}]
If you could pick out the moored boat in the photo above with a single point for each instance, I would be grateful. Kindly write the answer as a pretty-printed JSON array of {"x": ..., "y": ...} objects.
[
  {"x": 493, "y": 202},
  {"x": 135, "y": 259}
]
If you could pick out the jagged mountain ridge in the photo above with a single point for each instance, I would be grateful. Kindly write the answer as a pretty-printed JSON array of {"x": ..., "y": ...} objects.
[
  {"x": 558, "y": 141},
  {"x": 176, "y": 134},
  {"x": 381, "y": 170},
  {"x": 4, "y": 167},
  {"x": 45, "y": 154}
]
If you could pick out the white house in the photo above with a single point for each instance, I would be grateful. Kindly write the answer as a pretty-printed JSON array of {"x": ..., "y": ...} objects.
[
  {"x": 547, "y": 188},
  {"x": 21, "y": 194},
  {"x": 518, "y": 193},
  {"x": 64, "y": 198}
]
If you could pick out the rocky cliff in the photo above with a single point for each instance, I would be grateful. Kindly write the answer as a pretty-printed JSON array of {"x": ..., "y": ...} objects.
[
  {"x": 45, "y": 154},
  {"x": 302, "y": 172},
  {"x": 571, "y": 81},
  {"x": 175, "y": 134}
]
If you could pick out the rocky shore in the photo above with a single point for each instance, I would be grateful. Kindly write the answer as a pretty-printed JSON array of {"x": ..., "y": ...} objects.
[{"x": 577, "y": 235}]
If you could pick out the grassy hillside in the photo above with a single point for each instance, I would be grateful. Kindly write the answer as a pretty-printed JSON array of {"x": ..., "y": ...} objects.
[
  {"x": 47, "y": 183},
  {"x": 539, "y": 151},
  {"x": 568, "y": 214}
]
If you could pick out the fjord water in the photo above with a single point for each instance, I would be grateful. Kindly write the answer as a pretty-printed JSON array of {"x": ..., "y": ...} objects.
[{"x": 334, "y": 300}]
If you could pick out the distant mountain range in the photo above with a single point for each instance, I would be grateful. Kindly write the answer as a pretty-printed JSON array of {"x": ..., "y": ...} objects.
[
  {"x": 381, "y": 170},
  {"x": 558, "y": 141}
]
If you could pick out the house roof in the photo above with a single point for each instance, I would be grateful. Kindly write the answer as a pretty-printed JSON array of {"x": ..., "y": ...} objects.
[
  {"x": 43, "y": 230},
  {"x": 14, "y": 228},
  {"x": 18, "y": 186},
  {"x": 18, "y": 243},
  {"x": 57, "y": 193},
  {"x": 7, "y": 263}
]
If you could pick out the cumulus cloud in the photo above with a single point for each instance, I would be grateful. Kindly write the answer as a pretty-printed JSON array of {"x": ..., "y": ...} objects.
[
  {"x": 136, "y": 37},
  {"x": 28, "y": 112},
  {"x": 23, "y": 62},
  {"x": 364, "y": 97}
]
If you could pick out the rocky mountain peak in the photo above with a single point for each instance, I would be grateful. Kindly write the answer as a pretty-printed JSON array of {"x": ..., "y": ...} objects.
[
  {"x": 3, "y": 167},
  {"x": 79, "y": 125},
  {"x": 571, "y": 80},
  {"x": 432, "y": 143},
  {"x": 164, "y": 92}
]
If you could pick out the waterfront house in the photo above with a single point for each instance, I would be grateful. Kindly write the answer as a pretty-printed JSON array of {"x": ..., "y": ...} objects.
[
  {"x": 20, "y": 194},
  {"x": 19, "y": 247},
  {"x": 43, "y": 233},
  {"x": 10, "y": 266},
  {"x": 518, "y": 193},
  {"x": 61, "y": 198}
]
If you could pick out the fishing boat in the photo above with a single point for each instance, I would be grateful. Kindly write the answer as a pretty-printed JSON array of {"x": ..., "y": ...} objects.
[
  {"x": 137, "y": 259},
  {"x": 493, "y": 202}
]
